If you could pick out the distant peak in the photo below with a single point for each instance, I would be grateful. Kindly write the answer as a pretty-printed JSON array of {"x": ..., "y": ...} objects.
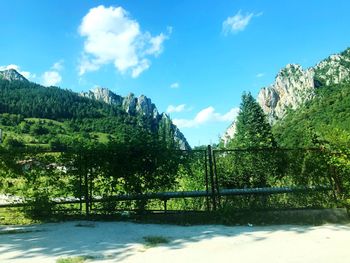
[{"x": 12, "y": 75}]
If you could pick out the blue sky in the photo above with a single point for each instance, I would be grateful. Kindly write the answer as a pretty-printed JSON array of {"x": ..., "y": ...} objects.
[{"x": 194, "y": 59}]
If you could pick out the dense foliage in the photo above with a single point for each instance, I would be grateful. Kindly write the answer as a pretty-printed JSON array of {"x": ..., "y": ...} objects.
[
  {"x": 325, "y": 119},
  {"x": 50, "y": 117},
  {"x": 251, "y": 168},
  {"x": 252, "y": 128}
]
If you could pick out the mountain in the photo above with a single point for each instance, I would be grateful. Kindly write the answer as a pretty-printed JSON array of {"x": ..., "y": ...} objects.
[
  {"x": 324, "y": 120},
  {"x": 39, "y": 115},
  {"x": 12, "y": 75},
  {"x": 294, "y": 86},
  {"x": 140, "y": 106}
]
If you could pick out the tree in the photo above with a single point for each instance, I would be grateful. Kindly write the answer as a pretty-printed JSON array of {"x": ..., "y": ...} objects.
[
  {"x": 252, "y": 128},
  {"x": 252, "y": 166}
]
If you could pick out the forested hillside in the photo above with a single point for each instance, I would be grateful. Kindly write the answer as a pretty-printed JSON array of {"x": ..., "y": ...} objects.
[
  {"x": 50, "y": 117},
  {"x": 323, "y": 120}
]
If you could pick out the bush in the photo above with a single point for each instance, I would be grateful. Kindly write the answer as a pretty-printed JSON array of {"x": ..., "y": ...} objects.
[{"x": 39, "y": 206}]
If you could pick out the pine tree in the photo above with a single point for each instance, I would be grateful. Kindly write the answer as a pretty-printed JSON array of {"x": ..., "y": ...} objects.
[
  {"x": 250, "y": 168},
  {"x": 252, "y": 127}
]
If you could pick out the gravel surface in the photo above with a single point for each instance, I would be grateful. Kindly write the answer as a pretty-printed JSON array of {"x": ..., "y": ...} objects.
[{"x": 124, "y": 242}]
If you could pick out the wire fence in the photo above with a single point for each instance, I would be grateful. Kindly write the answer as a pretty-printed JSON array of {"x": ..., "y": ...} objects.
[{"x": 96, "y": 181}]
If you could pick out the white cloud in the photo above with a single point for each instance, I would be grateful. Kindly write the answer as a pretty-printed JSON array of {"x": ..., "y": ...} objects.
[
  {"x": 58, "y": 66},
  {"x": 238, "y": 22},
  {"x": 141, "y": 67},
  {"x": 25, "y": 74},
  {"x": 51, "y": 78},
  {"x": 205, "y": 116},
  {"x": 178, "y": 108},
  {"x": 175, "y": 85},
  {"x": 260, "y": 75},
  {"x": 113, "y": 37}
]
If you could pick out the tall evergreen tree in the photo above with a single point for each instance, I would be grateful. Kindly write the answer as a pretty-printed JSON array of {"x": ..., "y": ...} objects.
[
  {"x": 250, "y": 168},
  {"x": 252, "y": 127}
]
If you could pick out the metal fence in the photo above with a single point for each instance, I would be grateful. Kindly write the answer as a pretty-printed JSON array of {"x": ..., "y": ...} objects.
[
  {"x": 276, "y": 178},
  {"x": 100, "y": 182}
]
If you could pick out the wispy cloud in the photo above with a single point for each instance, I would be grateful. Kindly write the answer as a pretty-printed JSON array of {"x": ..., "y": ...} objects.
[
  {"x": 58, "y": 66},
  {"x": 205, "y": 116},
  {"x": 238, "y": 22},
  {"x": 175, "y": 85},
  {"x": 26, "y": 74},
  {"x": 53, "y": 77},
  {"x": 260, "y": 75},
  {"x": 113, "y": 37},
  {"x": 178, "y": 108}
]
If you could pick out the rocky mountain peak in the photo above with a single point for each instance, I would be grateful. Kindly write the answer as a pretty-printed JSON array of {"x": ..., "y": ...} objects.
[
  {"x": 103, "y": 94},
  {"x": 334, "y": 69},
  {"x": 12, "y": 75},
  {"x": 141, "y": 106},
  {"x": 293, "y": 86}
]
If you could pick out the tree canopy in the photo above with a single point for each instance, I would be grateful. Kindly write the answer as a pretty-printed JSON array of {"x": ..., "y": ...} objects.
[{"x": 252, "y": 127}]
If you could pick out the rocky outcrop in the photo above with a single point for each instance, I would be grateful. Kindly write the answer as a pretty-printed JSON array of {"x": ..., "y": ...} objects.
[
  {"x": 334, "y": 69},
  {"x": 103, "y": 94},
  {"x": 229, "y": 133},
  {"x": 12, "y": 75},
  {"x": 141, "y": 106},
  {"x": 294, "y": 86}
]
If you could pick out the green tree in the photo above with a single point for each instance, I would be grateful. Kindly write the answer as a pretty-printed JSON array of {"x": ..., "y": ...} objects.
[
  {"x": 252, "y": 166},
  {"x": 252, "y": 127}
]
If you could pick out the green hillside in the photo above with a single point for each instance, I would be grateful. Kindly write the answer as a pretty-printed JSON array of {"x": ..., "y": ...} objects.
[
  {"x": 50, "y": 117},
  {"x": 323, "y": 120}
]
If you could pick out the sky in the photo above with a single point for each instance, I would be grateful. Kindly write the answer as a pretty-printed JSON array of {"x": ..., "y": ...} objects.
[{"x": 193, "y": 58}]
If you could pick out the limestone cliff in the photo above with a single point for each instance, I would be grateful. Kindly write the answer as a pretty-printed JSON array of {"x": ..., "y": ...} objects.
[
  {"x": 141, "y": 106},
  {"x": 293, "y": 86}
]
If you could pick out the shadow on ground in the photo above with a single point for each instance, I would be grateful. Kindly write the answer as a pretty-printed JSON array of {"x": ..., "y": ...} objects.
[{"x": 119, "y": 240}]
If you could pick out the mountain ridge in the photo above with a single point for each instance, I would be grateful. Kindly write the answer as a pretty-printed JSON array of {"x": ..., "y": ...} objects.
[
  {"x": 12, "y": 75},
  {"x": 134, "y": 106},
  {"x": 141, "y": 109},
  {"x": 294, "y": 86}
]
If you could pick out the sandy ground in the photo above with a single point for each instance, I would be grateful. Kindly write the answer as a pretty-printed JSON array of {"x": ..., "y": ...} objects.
[{"x": 123, "y": 242}]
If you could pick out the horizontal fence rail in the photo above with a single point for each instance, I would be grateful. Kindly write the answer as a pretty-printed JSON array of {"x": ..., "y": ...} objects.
[{"x": 91, "y": 181}]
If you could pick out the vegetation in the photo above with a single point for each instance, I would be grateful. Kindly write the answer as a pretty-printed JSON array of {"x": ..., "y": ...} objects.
[
  {"x": 249, "y": 168},
  {"x": 57, "y": 119},
  {"x": 252, "y": 127},
  {"x": 323, "y": 120},
  {"x": 87, "y": 149},
  {"x": 79, "y": 259},
  {"x": 153, "y": 241}
]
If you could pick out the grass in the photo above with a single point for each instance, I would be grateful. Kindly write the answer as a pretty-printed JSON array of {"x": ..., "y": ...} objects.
[
  {"x": 14, "y": 216},
  {"x": 79, "y": 259},
  {"x": 153, "y": 241}
]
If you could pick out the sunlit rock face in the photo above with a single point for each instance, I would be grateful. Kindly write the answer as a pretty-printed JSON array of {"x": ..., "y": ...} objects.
[
  {"x": 293, "y": 86},
  {"x": 12, "y": 75},
  {"x": 141, "y": 106}
]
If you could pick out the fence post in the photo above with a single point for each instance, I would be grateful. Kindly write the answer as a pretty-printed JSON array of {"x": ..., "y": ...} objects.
[
  {"x": 206, "y": 179},
  {"x": 216, "y": 180},
  {"x": 211, "y": 172},
  {"x": 86, "y": 179}
]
